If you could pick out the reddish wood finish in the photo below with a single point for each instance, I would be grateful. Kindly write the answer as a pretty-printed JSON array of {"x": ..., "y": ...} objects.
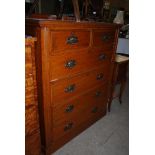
[
  {"x": 59, "y": 39},
  {"x": 53, "y": 77},
  {"x": 85, "y": 60},
  {"x": 57, "y": 144},
  {"x": 93, "y": 109},
  {"x": 81, "y": 84},
  {"x": 32, "y": 144},
  {"x": 79, "y": 104},
  {"x": 104, "y": 38},
  {"x": 32, "y": 132},
  {"x": 31, "y": 120}
]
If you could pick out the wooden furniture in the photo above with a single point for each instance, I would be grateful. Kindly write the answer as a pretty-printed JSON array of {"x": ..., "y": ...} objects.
[
  {"x": 32, "y": 132},
  {"x": 119, "y": 77},
  {"x": 74, "y": 67}
]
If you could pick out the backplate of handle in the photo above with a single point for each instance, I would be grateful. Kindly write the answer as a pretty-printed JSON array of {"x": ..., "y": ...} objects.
[
  {"x": 70, "y": 88},
  {"x": 69, "y": 108},
  {"x": 106, "y": 37},
  {"x": 99, "y": 76},
  {"x": 68, "y": 126},
  {"x": 70, "y": 63},
  {"x": 72, "y": 39}
]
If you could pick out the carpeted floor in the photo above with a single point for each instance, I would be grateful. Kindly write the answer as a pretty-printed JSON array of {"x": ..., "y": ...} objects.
[{"x": 108, "y": 136}]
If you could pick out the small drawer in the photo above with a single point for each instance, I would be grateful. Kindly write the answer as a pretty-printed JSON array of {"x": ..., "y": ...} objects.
[
  {"x": 104, "y": 38},
  {"x": 72, "y": 39},
  {"x": 69, "y": 64},
  {"x": 31, "y": 120},
  {"x": 76, "y": 106},
  {"x": 72, "y": 87}
]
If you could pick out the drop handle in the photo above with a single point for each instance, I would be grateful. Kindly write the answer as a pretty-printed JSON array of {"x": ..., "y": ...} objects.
[
  {"x": 70, "y": 88},
  {"x": 70, "y": 63},
  {"x": 94, "y": 110},
  {"x": 98, "y": 94},
  {"x": 106, "y": 37},
  {"x": 102, "y": 57},
  {"x": 72, "y": 39},
  {"x": 68, "y": 126},
  {"x": 69, "y": 108},
  {"x": 99, "y": 76}
]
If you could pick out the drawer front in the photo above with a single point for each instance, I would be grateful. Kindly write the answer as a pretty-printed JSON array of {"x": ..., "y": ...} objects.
[
  {"x": 78, "y": 62},
  {"x": 72, "y": 133},
  {"x": 104, "y": 38},
  {"x": 31, "y": 120},
  {"x": 71, "y": 124},
  {"x": 71, "y": 39},
  {"x": 72, "y": 87},
  {"x": 77, "y": 106}
]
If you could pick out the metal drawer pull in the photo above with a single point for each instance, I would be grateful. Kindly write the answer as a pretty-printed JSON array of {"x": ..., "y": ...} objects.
[
  {"x": 70, "y": 88},
  {"x": 68, "y": 126},
  {"x": 72, "y": 39},
  {"x": 94, "y": 110},
  {"x": 98, "y": 93},
  {"x": 106, "y": 37},
  {"x": 102, "y": 56},
  {"x": 70, "y": 63},
  {"x": 69, "y": 108},
  {"x": 99, "y": 76}
]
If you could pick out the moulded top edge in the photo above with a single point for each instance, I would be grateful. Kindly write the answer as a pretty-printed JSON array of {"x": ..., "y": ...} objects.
[{"x": 48, "y": 22}]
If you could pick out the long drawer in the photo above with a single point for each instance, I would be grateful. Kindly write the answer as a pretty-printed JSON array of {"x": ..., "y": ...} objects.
[
  {"x": 71, "y": 87},
  {"x": 74, "y": 107},
  {"x": 71, "y": 63},
  {"x": 72, "y": 133},
  {"x": 69, "y": 39},
  {"x": 72, "y": 123}
]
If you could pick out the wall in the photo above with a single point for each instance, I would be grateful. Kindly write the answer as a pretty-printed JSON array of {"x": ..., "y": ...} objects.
[
  {"x": 120, "y": 4},
  {"x": 49, "y": 6}
]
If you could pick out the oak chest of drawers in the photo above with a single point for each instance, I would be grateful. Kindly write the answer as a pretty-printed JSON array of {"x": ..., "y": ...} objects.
[
  {"x": 32, "y": 132},
  {"x": 74, "y": 66}
]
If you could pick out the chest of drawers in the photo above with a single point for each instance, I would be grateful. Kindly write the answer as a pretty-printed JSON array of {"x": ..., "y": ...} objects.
[
  {"x": 74, "y": 67},
  {"x": 32, "y": 132}
]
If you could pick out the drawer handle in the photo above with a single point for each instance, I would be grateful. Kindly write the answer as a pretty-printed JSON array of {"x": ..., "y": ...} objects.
[
  {"x": 98, "y": 93},
  {"x": 70, "y": 88},
  {"x": 99, "y": 76},
  {"x": 68, "y": 126},
  {"x": 106, "y": 37},
  {"x": 102, "y": 57},
  {"x": 72, "y": 39},
  {"x": 70, "y": 63},
  {"x": 69, "y": 108},
  {"x": 94, "y": 110}
]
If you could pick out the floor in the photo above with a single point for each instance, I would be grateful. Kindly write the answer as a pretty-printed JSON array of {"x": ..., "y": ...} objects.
[{"x": 108, "y": 136}]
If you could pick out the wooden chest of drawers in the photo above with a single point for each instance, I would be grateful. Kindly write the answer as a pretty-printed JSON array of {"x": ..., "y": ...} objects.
[
  {"x": 74, "y": 67},
  {"x": 32, "y": 132}
]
